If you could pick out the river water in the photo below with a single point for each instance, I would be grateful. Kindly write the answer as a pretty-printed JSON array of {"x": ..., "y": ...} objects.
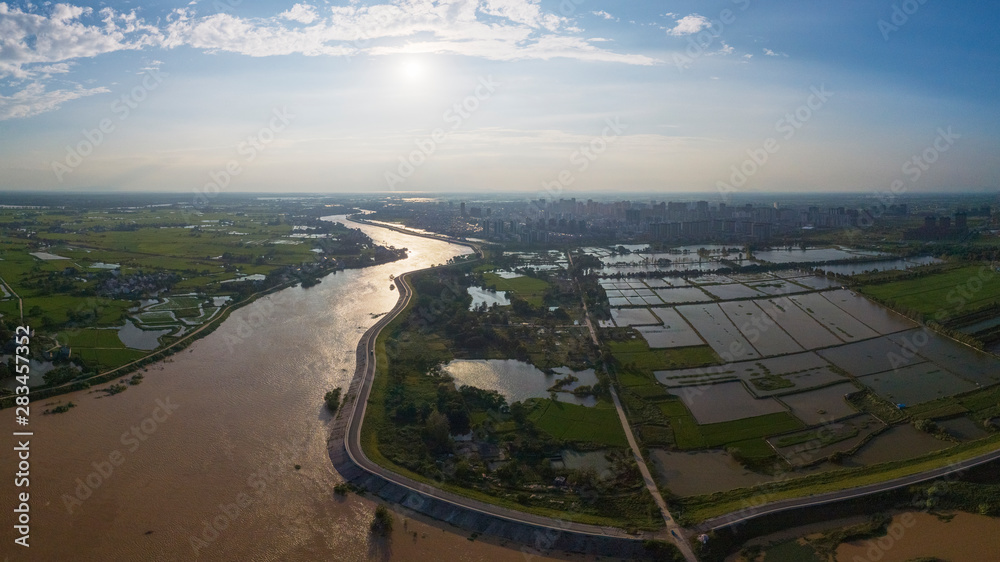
[{"x": 244, "y": 406}]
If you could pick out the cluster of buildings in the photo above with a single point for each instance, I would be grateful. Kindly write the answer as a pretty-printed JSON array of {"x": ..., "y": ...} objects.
[{"x": 575, "y": 220}]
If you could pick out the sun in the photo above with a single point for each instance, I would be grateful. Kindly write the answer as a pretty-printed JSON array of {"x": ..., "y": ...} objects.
[{"x": 412, "y": 70}]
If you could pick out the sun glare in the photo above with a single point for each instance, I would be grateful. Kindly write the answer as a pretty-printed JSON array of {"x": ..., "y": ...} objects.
[{"x": 412, "y": 70}]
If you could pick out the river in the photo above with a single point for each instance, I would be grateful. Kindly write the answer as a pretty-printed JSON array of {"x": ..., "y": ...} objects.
[{"x": 218, "y": 430}]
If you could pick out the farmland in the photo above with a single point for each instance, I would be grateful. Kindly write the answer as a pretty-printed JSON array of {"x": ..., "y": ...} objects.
[
  {"x": 104, "y": 284},
  {"x": 809, "y": 378}
]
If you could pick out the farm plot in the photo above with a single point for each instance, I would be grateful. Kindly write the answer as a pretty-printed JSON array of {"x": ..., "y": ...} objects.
[
  {"x": 845, "y": 326},
  {"x": 633, "y": 317},
  {"x": 715, "y": 328},
  {"x": 821, "y": 405},
  {"x": 681, "y": 295},
  {"x": 765, "y": 377},
  {"x": 618, "y": 301},
  {"x": 797, "y": 323},
  {"x": 880, "y": 319},
  {"x": 917, "y": 384},
  {"x": 732, "y": 291},
  {"x": 816, "y": 282},
  {"x": 964, "y": 361},
  {"x": 711, "y": 279},
  {"x": 727, "y": 402},
  {"x": 777, "y": 287},
  {"x": 761, "y": 331},
  {"x": 811, "y": 445},
  {"x": 676, "y": 336},
  {"x": 869, "y": 357}
]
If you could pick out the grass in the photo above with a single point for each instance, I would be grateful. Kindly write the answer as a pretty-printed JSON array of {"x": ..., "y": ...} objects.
[
  {"x": 940, "y": 291},
  {"x": 690, "y": 435},
  {"x": 527, "y": 288},
  {"x": 574, "y": 423},
  {"x": 638, "y": 355}
]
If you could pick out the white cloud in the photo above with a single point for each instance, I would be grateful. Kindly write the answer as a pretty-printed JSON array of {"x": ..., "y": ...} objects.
[
  {"x": 34, "y": 99},
  {"x": 770, "y": 53},
  {"x": 27, "y": 37},
  {"x": 689, "y": 25},
  {"x": 461, "y": 27},
  {"x": 604, "y": 15},
  {"x": 302, "y": 13}
]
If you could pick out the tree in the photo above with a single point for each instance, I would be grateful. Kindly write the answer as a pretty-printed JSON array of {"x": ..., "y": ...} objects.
[
  {"x": 382, "y": 521},
  {"x": 437, "y": 432}
]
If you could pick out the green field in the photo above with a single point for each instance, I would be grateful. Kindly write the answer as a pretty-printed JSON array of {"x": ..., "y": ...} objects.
[
  {"x": 570, "y": 422},
  {"x": 636, "y": 353},
  {"x": 955, "y": 292},
  {"x": 689, "y": 435},
  {"x": 527, "y": 288}
]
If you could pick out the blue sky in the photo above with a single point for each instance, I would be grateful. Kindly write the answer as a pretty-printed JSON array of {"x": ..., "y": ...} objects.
[{"x": 357, "y": 96}]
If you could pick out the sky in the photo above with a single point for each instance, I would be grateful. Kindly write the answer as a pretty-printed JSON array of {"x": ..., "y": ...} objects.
[{"x": 555, "y": 97}]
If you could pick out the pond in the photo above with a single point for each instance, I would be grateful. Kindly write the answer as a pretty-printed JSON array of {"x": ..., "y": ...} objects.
[
  {"x": 858, "y": 268},
  {"x": 707, "y": 472},
  {"x": 516, "y": 380},
  {"x": 481, "y": 296},
  {"x": 594, "y": 460},
  {"x": 137, "y": 338},
  {"x": 727, "y": 401},
  {"x": 894, "y": 444}
]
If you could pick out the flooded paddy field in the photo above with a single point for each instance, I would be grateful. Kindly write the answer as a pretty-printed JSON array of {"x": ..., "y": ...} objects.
[
  {"x": 899, "y": 442},
  {"x": 728, "y": 401},
  {"x": 680, "y": 295},
  {"x": 754, "y": 324},
  {"x": 916, "y": 384},
  {"x": 815, "y": 281},
  {"x": 963, "y": 429},
  {"x": 633, "y": 317},
  {"x": 869, "y": 357},
  {"x": 821, "y": 405},
  {"x": 878, "y": 318},
  {"x": 715, "y": 328},
  {"x": 802, "y": 327},
  {"x": 969, "y": 363},
  {"x": 732, "y": 291},
  {"x": 807, "y": 446},
  {"x": 776, "y": 287},
  {"x": 802, "y": 370},
  {"x": 660, "y": 337},
  {"x": 842, "y": 324}
]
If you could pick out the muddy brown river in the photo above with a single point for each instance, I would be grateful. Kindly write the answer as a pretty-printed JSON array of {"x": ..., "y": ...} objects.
[{"x": 199, "y": 461}]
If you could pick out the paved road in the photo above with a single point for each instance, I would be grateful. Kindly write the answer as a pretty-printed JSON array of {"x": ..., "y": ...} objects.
[
  {"x": 821, "y": 499},
  {"x": 677, "y": 533},
  {"x": 352, "y": 416}
]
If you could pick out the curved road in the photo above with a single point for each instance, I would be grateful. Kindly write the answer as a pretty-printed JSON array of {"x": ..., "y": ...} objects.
[
  {"x": 352, "y": 441},
  {"x": 737, "y": 517},
  {"x": 352, "y": 414},
  {"x": 351, "y": 423}
]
